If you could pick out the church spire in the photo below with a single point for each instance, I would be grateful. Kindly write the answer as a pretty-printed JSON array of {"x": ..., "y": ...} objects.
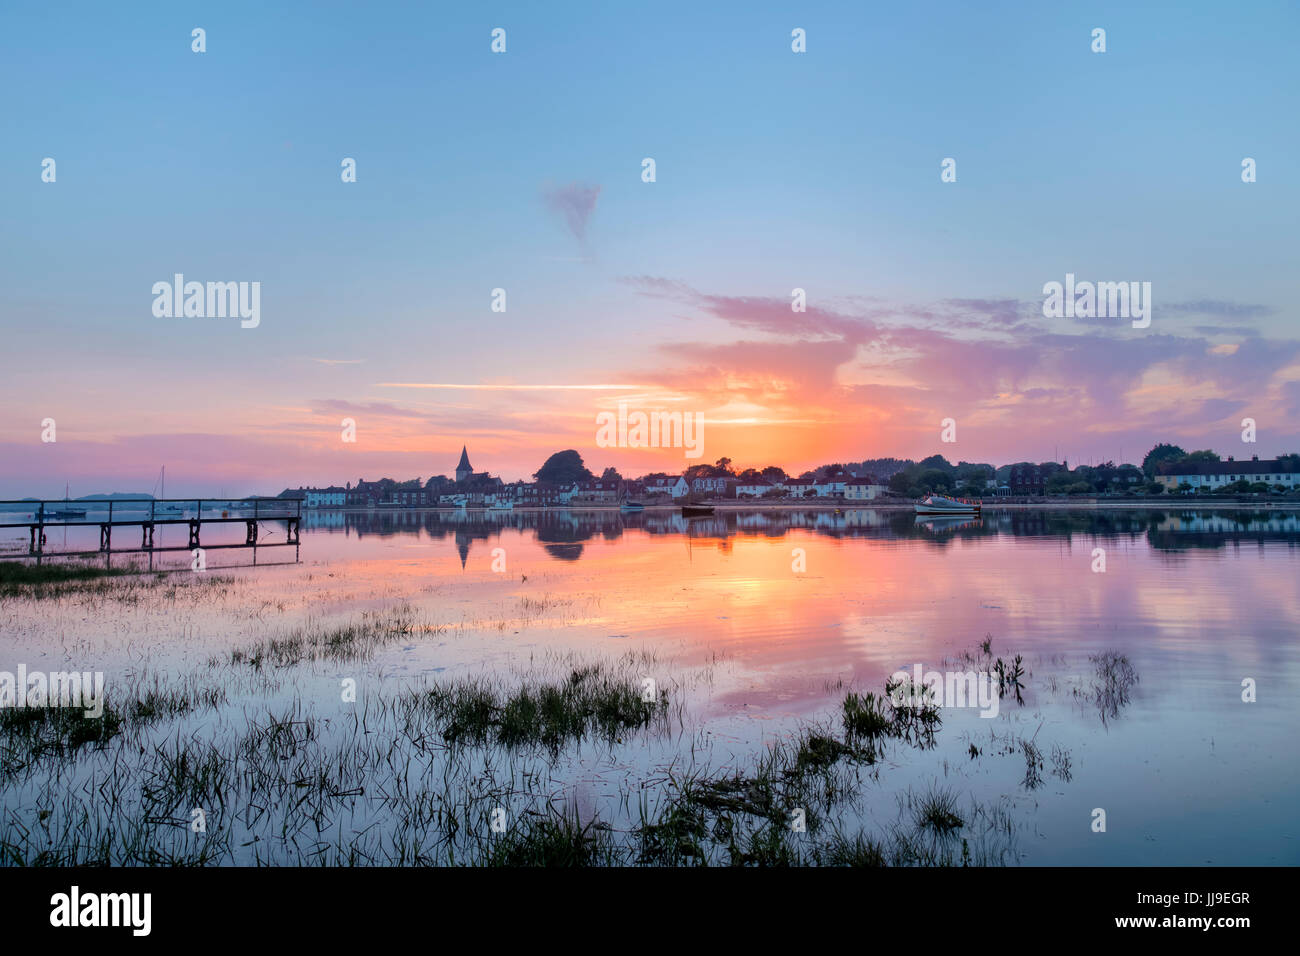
[{"x": 463, "y": 470}]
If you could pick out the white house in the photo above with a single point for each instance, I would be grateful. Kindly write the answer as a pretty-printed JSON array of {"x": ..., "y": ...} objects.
[
  {"x": 325, "y": 497},
  {"x": 598, "y": 491},
  {"x": 672, "y": 487},
  {"x": 798, "y": 487},
  {"x": 862, "y": 489},
  {"x": 710, "y": 486},
  {"x": 753, "y": 489}
]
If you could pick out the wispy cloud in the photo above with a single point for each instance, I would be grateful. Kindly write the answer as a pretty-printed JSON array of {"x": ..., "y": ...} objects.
[
  {"x": 510, "y": 388},
  {"x": 1220, "y": 309},
  {"x": 574, "y": 202}
]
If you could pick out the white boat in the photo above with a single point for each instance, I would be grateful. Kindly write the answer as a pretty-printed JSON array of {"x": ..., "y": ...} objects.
[
  {"x": 631, "y": 507},
  {"x": 939, "y": 505}
]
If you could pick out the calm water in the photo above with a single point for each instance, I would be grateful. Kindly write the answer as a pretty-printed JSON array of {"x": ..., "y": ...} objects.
[{"x": 761, "y": 620}]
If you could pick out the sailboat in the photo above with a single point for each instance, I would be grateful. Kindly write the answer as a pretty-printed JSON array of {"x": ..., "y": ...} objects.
[
  {"x": 66, "y": 512},
  {"x": 161, "y": 485}
]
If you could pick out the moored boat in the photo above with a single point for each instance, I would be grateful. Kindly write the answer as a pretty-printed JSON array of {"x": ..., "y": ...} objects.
[
  {"x": 631, "y": 507},
  {"x": 65, "y": 513},
  {"x": 696, "y": 511},
  {"x": 940, "y": 505}
]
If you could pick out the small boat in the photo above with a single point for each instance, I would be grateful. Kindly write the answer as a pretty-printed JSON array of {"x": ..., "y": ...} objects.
[
  {"x": 696, "y": 511},
  {"x": 631, "y": 507},
  {"x": 939, "y": 505},
  {"x": 67, "y": 513}
]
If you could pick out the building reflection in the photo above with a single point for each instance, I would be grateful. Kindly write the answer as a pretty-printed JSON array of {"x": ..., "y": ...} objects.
[{"x": 563, "y": 532}]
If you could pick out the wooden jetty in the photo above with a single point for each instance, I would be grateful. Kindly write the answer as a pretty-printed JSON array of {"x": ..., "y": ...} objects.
[{"x": 150, "y": 514}]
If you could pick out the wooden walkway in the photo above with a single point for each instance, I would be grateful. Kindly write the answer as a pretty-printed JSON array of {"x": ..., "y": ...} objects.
[{"x": 147, "y": 516}]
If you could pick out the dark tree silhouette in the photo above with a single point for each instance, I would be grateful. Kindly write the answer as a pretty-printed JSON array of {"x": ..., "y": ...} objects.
[{"x": 563, "y": 468}]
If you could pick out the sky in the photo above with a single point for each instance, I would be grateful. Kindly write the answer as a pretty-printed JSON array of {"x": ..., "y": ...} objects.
[{"x": 522, "y": 171}]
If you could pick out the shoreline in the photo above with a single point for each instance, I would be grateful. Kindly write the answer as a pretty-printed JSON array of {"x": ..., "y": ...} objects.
[{"x": 1058, "y": 504}]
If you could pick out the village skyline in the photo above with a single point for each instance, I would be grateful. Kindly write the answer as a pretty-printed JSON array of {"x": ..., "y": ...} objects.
[
  {"x": 881, "y": 467},
  {"x": 565, "y": 477}
]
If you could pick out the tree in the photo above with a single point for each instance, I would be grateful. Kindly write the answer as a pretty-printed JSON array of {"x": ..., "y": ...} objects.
[
  {"x": 936, "y": 462},
  {"x": 723, "y": 466},
  {"x": 1160, "y": 454},
  {"x": 901, "y": 484},
  {"x": 563, "y": 468},
  {"x": 934, "y": 479},
  {"x": 1061, "y": 484},
  {"x": 774, "y": 474},
  {"x": 1203, "y": 455},
  {"x": 611, "y": 474}
]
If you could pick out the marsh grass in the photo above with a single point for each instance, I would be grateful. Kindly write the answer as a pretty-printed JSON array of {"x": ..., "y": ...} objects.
[
  {"x": 354, "y": 641},
  {"x": 96, "y": 586},
  {"x": 592, "y": 700},
  {"x": 866, "y": 717},
  {"x": 1033, "y": 764},
  {"x": 411, "y": 774},
  {"x": 1112, "y": 686},
  {"x": 29, "y": 733},
  {"x": 553, "y": 838},
  {"x": 19, "y": 574},
  {"x": 936, "y": 811}
]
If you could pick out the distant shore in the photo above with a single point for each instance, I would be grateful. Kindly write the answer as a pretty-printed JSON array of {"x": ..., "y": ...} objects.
[{"x": 1059, "y": 504}]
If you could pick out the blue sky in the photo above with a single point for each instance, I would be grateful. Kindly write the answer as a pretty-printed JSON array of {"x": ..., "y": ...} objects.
[{"x": 775, "y": 170}]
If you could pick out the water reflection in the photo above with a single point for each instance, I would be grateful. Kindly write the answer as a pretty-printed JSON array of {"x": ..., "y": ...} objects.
[{"x": 563, "y": 532}]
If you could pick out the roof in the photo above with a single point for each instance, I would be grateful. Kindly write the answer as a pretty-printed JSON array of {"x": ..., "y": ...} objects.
[
  {"x": 464, "y": 460},
  {"x": 1252, "y": 467},
  {"x": 862, "y": 481}
]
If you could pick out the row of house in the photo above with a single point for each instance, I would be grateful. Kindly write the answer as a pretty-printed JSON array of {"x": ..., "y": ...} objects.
[
  {"x": 850, "y": 487},
  {"x": 471, "y": 489},
  {"x": 1217, "y": 474}
]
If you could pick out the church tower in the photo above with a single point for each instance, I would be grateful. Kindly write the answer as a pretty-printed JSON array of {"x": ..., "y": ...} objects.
[{"x": 463, "y": 470}]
